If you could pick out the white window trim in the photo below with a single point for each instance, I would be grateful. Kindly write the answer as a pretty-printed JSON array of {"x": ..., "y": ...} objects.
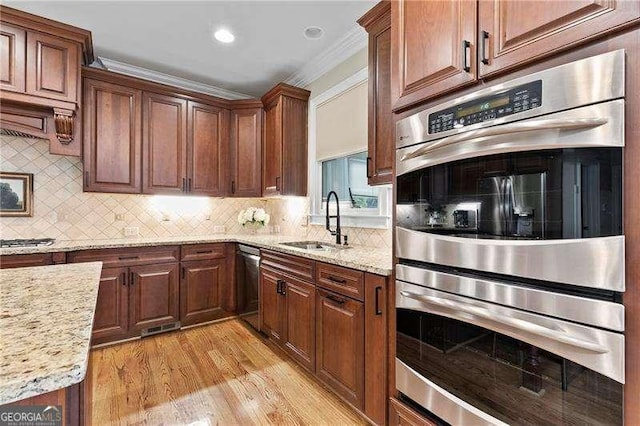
[{"x": 348, "y": 216}]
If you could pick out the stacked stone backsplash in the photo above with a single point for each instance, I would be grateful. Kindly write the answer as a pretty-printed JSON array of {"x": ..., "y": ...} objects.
[{"x": 64, "y": 212}]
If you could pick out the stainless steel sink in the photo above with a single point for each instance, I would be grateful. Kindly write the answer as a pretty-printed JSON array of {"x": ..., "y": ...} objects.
[{"x": 315, "y": 246}]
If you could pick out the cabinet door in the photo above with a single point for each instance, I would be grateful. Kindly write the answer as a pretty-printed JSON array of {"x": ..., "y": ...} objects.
[
  {"x": 272, "y": 154},
  {"x": 272, "y": 306},
  {"x": 294, "y": 147},
  {"x": 164, "y": 144},
  {"x": 207, "y": 149},
  {"x": 340, "y": 345},
  {"x": 110, "y": 321},
  {"x": 12, "y": 58},
  {"x": 433, "y": 48},
  {"x": 112, "y": 137},
  {"x": 381, "y": 135},
  {"x": 154, "y": 295},
  {"x": 375, "y": 348},
  {"x": 201, "y": 290},
  {"x": 53, "y": 67},
  {"x": 513, "y": 33},
  {"x": 300, "y": 339},
  {"x": 246, "y": 145}
]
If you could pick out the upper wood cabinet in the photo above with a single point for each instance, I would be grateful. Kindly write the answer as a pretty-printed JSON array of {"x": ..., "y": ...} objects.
[
  {"x": 246, "y": 150},
  {"x": 381, "y": 147},
  {"x": 433, "y": 48},
  {"x": 512, "y": 33},
  {"x": 164, "y": 144},
  {"x": 40, "y": 63},
  {"x": 112, "y": 137},
  {"x": 284, "y": 165},
  {"x": 207, "y": 147},
  {"x": 12, "y": 65}
]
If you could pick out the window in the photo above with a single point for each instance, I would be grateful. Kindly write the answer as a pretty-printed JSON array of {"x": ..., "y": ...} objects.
[{"x": 347, "y": 176}]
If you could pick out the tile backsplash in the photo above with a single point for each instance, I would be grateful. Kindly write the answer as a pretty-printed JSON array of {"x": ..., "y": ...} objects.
[{"x": 63, "y": 211}]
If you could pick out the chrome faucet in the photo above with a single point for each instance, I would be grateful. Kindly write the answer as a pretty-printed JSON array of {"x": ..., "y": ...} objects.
[{"x": 337, "y": 217}]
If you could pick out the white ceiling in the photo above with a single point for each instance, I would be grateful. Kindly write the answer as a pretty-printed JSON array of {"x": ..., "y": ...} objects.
[{"x": 175, "y": 37}]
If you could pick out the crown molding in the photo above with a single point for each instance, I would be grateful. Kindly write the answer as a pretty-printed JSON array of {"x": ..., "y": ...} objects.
[
  {"x": 159, "y": 77},
  {"x": 352, "y": 42}
]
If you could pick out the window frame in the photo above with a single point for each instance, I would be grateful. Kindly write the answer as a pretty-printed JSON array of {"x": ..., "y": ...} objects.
[{"x": 379, "y": 218}]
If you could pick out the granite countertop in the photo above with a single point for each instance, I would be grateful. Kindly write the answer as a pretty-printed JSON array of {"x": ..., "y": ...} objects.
[
  {"x": 46, "y": 316},
  {"x": 368, "y": 259}
]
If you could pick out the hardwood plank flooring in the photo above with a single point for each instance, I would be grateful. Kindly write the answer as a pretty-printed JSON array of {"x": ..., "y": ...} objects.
[{"x": 222, "y": 373}]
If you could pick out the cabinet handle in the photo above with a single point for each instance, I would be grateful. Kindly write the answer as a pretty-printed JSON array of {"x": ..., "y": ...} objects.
[
  {"x": 278, "y": 284},
  {"x": 378, "y": 310},
  {"x": 189, "y": 185},
  {"x": 369, "y": 176},
  {"x": 336, "y": 299},
  {"x": 233, "y": 186},
  {"x": 184, "y": 185},
  {"x": 336, "y": 280},
  {"x": 466, "y": 53},
  {"x": 128, "y": 257},
  {"x": 283, "y": 288},
  {"x": 124, "y": 279},
  {"x": 86, "y": 179},
  {"x": 183, "y": 272},
  {"x": 204, "y": 251},
  {"x": 484, "y": 38},
  {"x": 131, "y": 279},
  {"x": 277, "y": 183}
]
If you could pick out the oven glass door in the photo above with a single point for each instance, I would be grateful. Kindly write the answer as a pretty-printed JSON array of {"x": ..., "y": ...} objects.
[
  {"x": 497, "y": 372},
  {"x": 541, "y": 195}
]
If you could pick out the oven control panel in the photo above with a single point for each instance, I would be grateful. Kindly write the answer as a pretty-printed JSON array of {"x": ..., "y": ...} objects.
[{"x": 513, "y": 101}]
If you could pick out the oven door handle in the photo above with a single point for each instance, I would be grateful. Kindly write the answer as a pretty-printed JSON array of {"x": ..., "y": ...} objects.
[
  {"x": 558, "y": 335},
  {"x": 505, "y": 129}
]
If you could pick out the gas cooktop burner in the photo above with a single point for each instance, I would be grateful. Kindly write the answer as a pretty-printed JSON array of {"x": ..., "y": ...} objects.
[{"x": 27, "y": 242}]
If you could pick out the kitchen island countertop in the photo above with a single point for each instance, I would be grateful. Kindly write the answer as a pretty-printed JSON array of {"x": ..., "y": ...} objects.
[{"x": 46, "y": 316}]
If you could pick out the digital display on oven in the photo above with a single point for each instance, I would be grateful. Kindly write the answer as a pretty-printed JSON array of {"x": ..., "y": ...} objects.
[{"x": 483, "y": 106}]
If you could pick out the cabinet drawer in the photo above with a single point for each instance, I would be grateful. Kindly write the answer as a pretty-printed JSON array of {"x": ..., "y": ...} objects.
[
  {"x": 25, "y": 260},
  {"x": 203, "y": 251},
  {"x": 402, "y": 415},
  {"x": 293, "y": 265},
  {"x": 345, "y": 281},
  {"x": 111, "y": 258}
]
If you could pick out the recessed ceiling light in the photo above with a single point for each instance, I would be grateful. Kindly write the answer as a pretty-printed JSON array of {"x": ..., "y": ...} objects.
[
  {"x": 224, "y": 36},
  {"x": 313, "y": 33}
]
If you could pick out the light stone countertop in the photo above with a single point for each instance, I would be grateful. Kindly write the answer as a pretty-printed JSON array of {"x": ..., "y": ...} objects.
[
  {"x": 46, "y": 316},
  {"x": 369, "y": 259}
]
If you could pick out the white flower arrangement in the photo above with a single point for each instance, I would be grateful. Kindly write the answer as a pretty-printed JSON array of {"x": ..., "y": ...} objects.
[{"x": 253, "y": 216}]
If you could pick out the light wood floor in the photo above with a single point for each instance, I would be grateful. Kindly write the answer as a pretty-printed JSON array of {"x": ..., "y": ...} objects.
[{"x": 217, "y": 374}]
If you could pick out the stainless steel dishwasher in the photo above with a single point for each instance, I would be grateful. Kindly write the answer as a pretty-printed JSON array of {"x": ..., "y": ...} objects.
[{"x": 248, "y": 278}]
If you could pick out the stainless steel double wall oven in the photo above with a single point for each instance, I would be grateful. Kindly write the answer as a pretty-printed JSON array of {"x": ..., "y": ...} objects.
[{"x": 511, "y": 250}]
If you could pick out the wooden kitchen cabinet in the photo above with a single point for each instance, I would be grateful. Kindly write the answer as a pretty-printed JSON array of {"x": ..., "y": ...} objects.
[
  {"x": 164, "y": 144},
  {"x": 272, "y": 306},
  {"x": 340, "y": 345},
  {"x": 246, "y": 150},
  {"x": 381, "y": 141},
  {"x": 12, "y": 58},
  {"x": 53, "y": 67},
  {"x": 284, "y": 165},
  {"x": 207, "y": 147},
  {"x": 433, "y": 48},
  {"x": 376, "y": 320},
  {"x": 25, "y": 260},
  {"x": 401, "y": 414},
  {"x": 154, "y": 298},
  {"x": 112, "y": 137},
  {"x": 513, "y": 33},
  {"x": 300, "y": 323},
  {"x": 111, "y": 319},
  {"x": 201, "y": 290}
]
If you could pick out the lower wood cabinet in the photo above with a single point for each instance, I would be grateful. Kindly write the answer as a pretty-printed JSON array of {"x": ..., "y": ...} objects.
[
  {"x": 201, "y": 285},
  {"x": 153, "y": 295},
  {"x": 287, "y": 314},
  {"x": 401, "y": 414},
  {"x": 340, "y": 345},
  {"x": 35, "y": 259},
  {"x": 111, "y": 319}
]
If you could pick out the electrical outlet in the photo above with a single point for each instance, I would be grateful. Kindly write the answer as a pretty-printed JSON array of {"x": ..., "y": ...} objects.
[
  {"x": 119, "y": 216},
  {"x": 219, "y": 229},
  {"x": 131, "y": 231}
]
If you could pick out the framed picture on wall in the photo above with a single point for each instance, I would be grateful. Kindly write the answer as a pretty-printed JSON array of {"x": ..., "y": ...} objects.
[{"x": 16, "y": 194}]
